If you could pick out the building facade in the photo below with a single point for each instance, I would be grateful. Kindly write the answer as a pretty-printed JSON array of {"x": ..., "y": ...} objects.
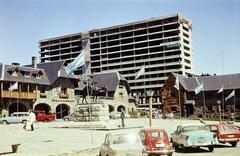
[
  {"x": 38, "y": 87},
  {"x": 160, "y": 45},
  {"x": 211, "y": 100}
]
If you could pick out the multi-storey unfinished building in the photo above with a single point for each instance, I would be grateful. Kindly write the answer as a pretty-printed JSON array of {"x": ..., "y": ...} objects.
[{"x": 162, "y": 45}]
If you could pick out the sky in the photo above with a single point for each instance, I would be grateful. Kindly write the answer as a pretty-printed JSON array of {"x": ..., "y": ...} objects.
[{"x": 215, "y": 34}]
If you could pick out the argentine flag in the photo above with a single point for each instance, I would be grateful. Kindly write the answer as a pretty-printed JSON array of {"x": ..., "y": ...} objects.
[
  {"x": 77, "y": 62},
  {"x": 199, "y": 88}
]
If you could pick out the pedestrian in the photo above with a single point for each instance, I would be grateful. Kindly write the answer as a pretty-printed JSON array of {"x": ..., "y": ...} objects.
[
  {"x": 232, "y": 116},
  {"x": 31, "y": 120},
  {"x": 122, "y": 117}
]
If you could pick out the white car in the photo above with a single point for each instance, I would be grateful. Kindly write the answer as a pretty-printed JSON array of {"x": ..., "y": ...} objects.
[
  {"x": 16, "y": 117},
  {"x": 122, "y": 144}
]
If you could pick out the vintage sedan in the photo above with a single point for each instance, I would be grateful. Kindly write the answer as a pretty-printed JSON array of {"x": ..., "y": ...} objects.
[
  {"x": 156, "y": 141},
  {"x": 122, "y": 144},
  {"x": 226, "y": 133},
  {"x": 193, "y": 135},
  {"x": 16, "y": 117}
]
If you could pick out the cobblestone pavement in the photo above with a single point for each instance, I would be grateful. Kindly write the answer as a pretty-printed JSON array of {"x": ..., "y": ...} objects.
[{"x": 73, "y": 141}]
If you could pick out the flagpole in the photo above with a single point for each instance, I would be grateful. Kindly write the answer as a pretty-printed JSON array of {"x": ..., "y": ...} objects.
[
  {"x": 234, "y": 103},
  {"x": 179, "y": 99},
  {"x": 204, "y": 105},
  {"x": 223, "y": 106}
]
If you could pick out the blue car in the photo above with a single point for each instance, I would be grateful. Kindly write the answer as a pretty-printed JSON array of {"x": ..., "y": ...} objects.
[{"x": 193, "y": 135}]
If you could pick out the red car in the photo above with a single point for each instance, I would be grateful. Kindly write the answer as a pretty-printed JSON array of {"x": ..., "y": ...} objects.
[
  {"x": 156, "y": 142},
  {"x": 226, "y": 133},
  {"x": 42, "y": 116}
]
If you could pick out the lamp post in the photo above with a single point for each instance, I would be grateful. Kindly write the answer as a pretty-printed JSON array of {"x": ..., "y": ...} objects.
[
  {"x": 150, "y": 94},
  {"x": 220, "y": 111}
]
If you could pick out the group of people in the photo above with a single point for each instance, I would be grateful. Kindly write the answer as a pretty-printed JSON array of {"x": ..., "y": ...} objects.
[{"x": 30, "y": 120}]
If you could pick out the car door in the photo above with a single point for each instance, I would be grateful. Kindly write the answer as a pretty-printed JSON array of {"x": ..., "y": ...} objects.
[
  {"x": 176, "y": 135},
  {"x": 13, "y": 118}
]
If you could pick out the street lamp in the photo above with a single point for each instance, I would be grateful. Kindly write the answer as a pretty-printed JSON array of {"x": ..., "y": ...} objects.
[
  {"x": 220, "y": 111},
  {"x": 150, "y": 94}
]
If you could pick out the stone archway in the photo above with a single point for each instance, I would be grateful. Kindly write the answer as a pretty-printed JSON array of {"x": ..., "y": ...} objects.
[
  {"x": 43, "y": 106},
  {"x": 62, "y": 110},
  {"x": 17, "y": 107},
  {"x": 110, "y": 108},
  {"x": 120, "y": 107}
]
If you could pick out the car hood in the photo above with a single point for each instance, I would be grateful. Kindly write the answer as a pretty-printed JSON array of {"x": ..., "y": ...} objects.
[{"x": 198, "y": 133}]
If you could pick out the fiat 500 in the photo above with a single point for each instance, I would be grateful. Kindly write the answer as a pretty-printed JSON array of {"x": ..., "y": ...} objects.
[
  {"x": 193, "y": 135},
  {"x": 156, "y": 142}
]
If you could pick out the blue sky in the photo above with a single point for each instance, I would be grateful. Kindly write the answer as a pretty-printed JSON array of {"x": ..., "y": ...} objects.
[{"x": 216, "y": 26}]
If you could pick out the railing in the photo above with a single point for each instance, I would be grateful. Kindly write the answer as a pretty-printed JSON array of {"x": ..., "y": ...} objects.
[
  {"x": 19, "y": 95},
  {"x": 63, "y": 95}
]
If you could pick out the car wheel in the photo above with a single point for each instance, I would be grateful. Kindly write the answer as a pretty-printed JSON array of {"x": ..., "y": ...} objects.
[
  {"x": 175, "y": 145},
  {"x": 210, "y": 148},
  {"x": 66, "y": 119},
  {"x": 4, "y": 122},
  {"x": 169, "y": 154},
  {"x": 234, "y": 144}
]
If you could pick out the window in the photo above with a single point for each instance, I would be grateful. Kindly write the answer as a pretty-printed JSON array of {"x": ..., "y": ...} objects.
[{"x": 64, "y": 90}]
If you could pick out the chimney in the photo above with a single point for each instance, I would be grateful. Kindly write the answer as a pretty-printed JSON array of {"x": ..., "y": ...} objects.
[
  {"x": 34, "y": 62},
  {"x": 15, "y": 64}
]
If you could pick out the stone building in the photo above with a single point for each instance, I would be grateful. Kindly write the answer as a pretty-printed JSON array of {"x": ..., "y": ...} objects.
[
  {"x": 42, "y": 86},
  {"x": 112, "y": 89}
]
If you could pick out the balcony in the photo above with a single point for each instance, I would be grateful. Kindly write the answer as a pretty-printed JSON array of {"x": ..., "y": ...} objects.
[{"x": 19, "y": 95}]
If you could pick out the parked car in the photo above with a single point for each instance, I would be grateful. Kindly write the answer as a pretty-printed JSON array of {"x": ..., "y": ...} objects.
[
  {"x": 42, "y": 116},
  {"x": 114, "y": 115},
  {"x": 156, "y": 142},
  {"x": 16, "y": 117},
  {"x": 70, "y": 117},
  {"x": 193, "y": 135},
  {"x": 122, "y": 144},
  {"x": 226, "y": 133}
]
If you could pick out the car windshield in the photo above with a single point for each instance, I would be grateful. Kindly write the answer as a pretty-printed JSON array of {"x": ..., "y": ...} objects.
[
  {"x": 156, "y": 134},
  {"x": 125, "y": 138},
  {"x": 194, "y": 128},
  {"x": 228, "y": 128}
]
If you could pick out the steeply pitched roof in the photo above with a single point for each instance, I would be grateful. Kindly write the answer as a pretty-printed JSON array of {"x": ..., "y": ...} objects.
[
  {"x": 108, "y": 80},
  {"x": 210, "y": 83},
  {"x": 54, "y": 70},
  {"x": 6, "y": 75}
]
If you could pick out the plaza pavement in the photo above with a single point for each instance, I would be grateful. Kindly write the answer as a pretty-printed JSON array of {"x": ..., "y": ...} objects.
[{"x": 66, "y": 138}]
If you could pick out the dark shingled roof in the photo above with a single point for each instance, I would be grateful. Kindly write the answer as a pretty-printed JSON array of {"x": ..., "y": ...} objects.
[
  {"x": 210, "y": 83},
  {"x": 54, "y": 70},
  {"x": 6, "y": 71},
  {"x": 109, "y": 80}
]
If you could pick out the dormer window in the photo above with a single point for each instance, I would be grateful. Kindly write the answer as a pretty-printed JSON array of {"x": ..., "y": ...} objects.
[
  {"x": 38, "y": 74},
  {"x": 27, "y": 74},
  {"x": 15, "y": 73}
]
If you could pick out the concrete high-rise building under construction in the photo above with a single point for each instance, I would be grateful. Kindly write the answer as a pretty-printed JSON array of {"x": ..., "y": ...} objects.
[{"x": 160, "y": 45}]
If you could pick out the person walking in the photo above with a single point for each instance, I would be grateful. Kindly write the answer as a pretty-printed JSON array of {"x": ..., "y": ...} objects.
[
  {"x": 31, "y": 119},
  {"x": 122, "y": 117}
]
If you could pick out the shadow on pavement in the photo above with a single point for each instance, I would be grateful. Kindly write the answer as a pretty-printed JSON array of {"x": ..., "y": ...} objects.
[{"x": 192, "y": 150}]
